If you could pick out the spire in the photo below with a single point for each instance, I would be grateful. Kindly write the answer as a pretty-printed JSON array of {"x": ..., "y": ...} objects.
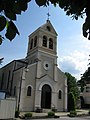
[{"x": 48, "y": 15}]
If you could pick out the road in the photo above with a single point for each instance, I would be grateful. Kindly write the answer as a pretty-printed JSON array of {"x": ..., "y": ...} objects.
[{"x": 68, "y": 118}]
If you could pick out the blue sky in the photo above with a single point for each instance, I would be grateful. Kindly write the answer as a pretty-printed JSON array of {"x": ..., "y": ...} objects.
[{"x": 73, "y": 49}]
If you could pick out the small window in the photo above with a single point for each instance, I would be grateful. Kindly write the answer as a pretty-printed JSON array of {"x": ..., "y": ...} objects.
[
  {"x": 44, "y": 41},
  {"x": 60, "y": 95},
  {"x": 50, "y": 43},
  {"x": 35, "y": 41},
  {"x": 48, "y": 28},
  {"x": 29, "y": 91},
  {"x": 31, "y": 45}
]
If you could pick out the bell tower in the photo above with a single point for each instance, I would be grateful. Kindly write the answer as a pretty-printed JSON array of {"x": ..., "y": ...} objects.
[{"x": 42, "y": 41}]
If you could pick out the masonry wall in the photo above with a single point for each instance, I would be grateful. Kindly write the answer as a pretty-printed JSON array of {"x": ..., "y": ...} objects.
[{"x": 7, "y": 108}]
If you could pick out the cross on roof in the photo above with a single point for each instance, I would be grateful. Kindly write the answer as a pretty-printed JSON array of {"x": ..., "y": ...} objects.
[{"x": 48, "y": 15}]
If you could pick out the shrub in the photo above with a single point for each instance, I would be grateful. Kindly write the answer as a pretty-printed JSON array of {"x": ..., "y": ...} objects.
[
  {"x": 72, "y": 114},
  {"x": 71, "y": 102},
  {"x": 28, "y": 114},
  {"x": 89, "y": 112},
  {"x": 51, "y": 114},
  {"x": 17, "y": 113}
]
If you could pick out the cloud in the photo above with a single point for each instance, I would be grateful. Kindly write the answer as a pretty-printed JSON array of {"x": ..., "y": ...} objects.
[
  {"x": 74, "y": 54},
  {"x": 74, "y": 63}
]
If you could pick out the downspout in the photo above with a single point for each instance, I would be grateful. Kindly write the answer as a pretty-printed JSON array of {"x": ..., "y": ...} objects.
[
  {"x": 12, "y": 78},
  {"x": 35, "y": 85}
]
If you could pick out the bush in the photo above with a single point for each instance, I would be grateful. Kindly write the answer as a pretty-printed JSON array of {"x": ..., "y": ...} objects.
[
  {"x": 17, "y": 113},
  {"x": 28, "y": 114},
  {"x": 89, "y": 112},
  {"x": 51, "y": 114},
  {"x": 72, "y": 114},
  {"x": 71, "y": 102}
]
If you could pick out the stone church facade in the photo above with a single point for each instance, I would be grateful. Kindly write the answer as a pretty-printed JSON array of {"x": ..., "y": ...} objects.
[{"x": 36, "y": 81}]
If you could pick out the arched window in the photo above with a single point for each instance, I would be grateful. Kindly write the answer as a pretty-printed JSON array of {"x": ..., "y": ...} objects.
[
  {"x": 31, "y": 44},
  {"x": 44, "y": 41},
  {"x": 50, "y": 43},
  {"x": 29, "y": 89},
  {"x": 60, "y": 94}
]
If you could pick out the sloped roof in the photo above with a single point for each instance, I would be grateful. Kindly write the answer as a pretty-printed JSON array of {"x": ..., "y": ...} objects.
[
  {"x": 48, "y": 23},
  {"x": 44, "y": 27}
]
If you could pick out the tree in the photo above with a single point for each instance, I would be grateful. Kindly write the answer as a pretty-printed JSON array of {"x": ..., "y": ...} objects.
[
  {"x": 85, "y": 79},
  {"x": 73, "y": 92},
  {"x": 72, "y": 85},
  {"x": 9, "y": 10},
  {"x": 71, "y": 102}
]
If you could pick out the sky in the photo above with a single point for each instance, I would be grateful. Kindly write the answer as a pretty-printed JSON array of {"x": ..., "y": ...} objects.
[{"x": 72, "y": 48}]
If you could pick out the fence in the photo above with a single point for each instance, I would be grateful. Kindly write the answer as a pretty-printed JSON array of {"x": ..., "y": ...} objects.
[{"x": 7, "y": 108}]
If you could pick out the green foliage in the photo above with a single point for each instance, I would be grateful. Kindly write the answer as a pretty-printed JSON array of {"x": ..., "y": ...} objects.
[
  {"x": 73, "y": 91},
  {"x": 72, "y": 85},
  {"x": 41, "y": 2},
  {"x": 74, "y": 8},
  {"x": 72, "y": 114},
  {"x": 9, "y": 10},
  {"x": 89, "y": 112},
  {"x": 51, "y": 114},
  {"x": 11, "y": 27},
  {"x": 85, "y": 79},
  {"x": 17, "y": 113},
  {"x": 28, "y": 114},
  {"x": 71, "y": 102},
  {"x": 2, "y": 22}
]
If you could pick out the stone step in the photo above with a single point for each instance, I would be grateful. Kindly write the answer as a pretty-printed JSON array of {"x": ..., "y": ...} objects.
[{"x": 46, "y": 110}]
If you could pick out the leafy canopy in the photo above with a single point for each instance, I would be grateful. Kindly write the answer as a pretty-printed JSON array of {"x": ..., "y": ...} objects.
[
  {"x": 85, "y": 79},
  {"x": 9, "y": 9},
  {"x": 72, "y": 85}
]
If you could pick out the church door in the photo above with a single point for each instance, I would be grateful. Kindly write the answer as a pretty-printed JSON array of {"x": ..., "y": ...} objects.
[{"x": 46, "y": 97}]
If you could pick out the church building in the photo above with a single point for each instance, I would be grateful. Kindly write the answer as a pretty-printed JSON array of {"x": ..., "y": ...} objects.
[{"x": 36, "y": 81}]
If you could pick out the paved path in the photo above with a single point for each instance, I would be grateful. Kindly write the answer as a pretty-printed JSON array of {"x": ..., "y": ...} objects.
[
  {"x": 64, "y": 118},
  {"x": 58, "y": 113},
  {"x": 67, "y": 118}
]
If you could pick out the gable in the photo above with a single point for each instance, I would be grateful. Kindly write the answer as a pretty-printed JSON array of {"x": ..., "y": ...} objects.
[{"x": 49, "y": 27}]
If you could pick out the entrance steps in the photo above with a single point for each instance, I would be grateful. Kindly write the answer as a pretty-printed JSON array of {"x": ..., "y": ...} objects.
[{"x": 46, "y": 110}]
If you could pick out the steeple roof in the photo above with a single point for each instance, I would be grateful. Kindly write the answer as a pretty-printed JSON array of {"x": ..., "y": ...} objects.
[{"x": 48, "y": 26}]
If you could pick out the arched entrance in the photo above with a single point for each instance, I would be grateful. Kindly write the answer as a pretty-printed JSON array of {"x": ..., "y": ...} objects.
[{"x": 46, "y": 96}]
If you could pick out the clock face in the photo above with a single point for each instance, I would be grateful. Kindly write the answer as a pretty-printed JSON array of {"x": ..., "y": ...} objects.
[{"x": 46, "y": 65}]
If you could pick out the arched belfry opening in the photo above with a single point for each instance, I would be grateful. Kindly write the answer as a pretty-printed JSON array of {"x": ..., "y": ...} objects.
[{"x": 46, "y": 96}]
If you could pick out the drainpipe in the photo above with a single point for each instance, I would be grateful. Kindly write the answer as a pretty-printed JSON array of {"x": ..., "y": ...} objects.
[{"x": 20, "y": 89}]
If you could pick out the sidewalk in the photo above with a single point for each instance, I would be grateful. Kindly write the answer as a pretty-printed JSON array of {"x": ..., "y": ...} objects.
[{"x": 61, "y": 114}]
